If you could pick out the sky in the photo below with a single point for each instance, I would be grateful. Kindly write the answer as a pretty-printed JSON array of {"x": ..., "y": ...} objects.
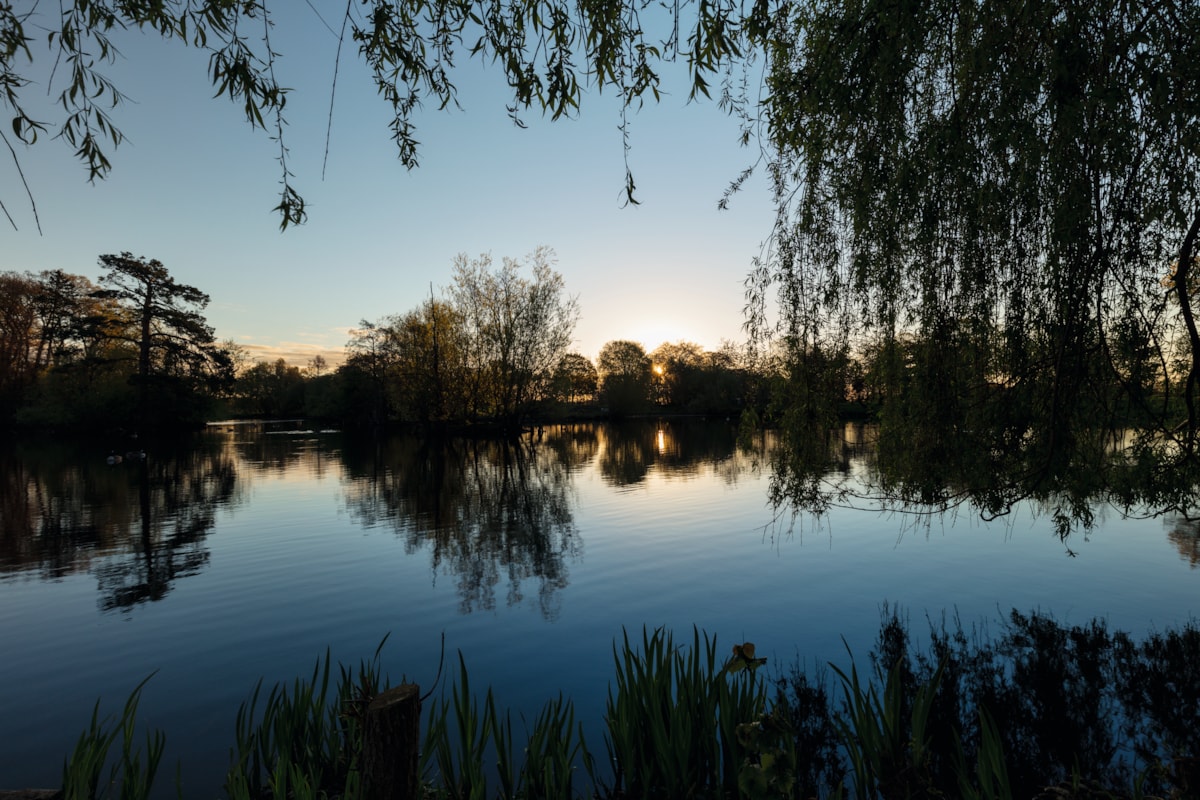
[{"x": 193, "y": 186}]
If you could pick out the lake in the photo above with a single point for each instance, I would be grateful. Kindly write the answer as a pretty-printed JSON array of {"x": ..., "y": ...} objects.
[{"x": 247, "y": 552}]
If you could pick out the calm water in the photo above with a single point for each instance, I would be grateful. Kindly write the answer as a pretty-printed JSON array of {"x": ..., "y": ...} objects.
[{"x": 251, "y": 552}]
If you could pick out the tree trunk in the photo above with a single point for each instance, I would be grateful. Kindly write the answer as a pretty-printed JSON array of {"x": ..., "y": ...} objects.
[
  {"x": 391, "y": 741},
  {"x": 1182, "y": 279}
]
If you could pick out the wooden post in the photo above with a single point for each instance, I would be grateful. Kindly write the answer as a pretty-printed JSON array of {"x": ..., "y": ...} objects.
[{"x": 391, "y": 742}]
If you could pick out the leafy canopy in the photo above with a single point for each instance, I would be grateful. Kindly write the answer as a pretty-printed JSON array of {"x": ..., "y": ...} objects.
[
  {"x": 549, "y": 51},
  {"x": 981, "y": 201},
  {"x": 990, "y": 206}
]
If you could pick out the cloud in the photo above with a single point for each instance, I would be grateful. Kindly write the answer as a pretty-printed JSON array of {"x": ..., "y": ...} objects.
[{"x": 296, "y": 354}]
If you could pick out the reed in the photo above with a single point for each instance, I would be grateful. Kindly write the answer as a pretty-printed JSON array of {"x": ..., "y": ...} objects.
[
  {"x": 885, "y": 735},
  {"x": 457, "y": 747},
  {"x": 555, "y": 747},
  {"x": 462, "y": 735},
  {"x": 672, "y": 718},
  {"x": 131, "y": 774},
  {"x": 991, "y": 781},
  {"x": 306, "y": 739},
  {"x": 679, "y": 724}
]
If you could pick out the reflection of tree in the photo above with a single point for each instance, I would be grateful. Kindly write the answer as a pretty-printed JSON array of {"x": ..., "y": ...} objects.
[
  {"x": 139, "y": 525},
  {"x": 280, "y": 446},
  {"x": 628, "y": 453},
  {"x": 573, "y": 445},
  {"x": 675, "y": 449},
  {"x": 487, "y": 510},
  {"x": 1185, "y": 535}
]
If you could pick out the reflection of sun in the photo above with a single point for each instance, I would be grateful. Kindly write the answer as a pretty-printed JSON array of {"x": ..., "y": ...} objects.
[{"x": 660, "y": 442}]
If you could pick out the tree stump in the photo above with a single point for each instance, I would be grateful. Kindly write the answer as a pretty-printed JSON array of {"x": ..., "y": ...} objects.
[{"x": 391, "y": 742}]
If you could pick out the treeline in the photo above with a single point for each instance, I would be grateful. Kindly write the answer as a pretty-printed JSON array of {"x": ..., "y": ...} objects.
[
  {"x": 494, "y": 349},
  {"x": 131, "y": 352},
  {"x": 134, "y": 352}
]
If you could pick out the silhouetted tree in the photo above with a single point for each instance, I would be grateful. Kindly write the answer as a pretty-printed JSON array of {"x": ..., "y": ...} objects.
[
  {"x": 575, "y": 379},
  {"x": 409, "y": 50},
  {"x": 271, "y": 389},
  {"x": 369, "y": 361},
  {"x": 625, "y": 372},
  {"x": 515, "y": 330},
  {"x": 43, "y": 321},
  {"x": 17, "y": 332},
  {"x": 175, "y": 349},
  {"x": 1006, "y": 186},
  {"x": 430, "y": 354},
  {"x": 677, "y": 371}
]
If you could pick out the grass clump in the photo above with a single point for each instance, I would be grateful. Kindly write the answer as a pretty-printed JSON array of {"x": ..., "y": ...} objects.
[
  {"x": 1075, "y": 708},
  {"x": 672, "y": 719},
  {"x": 130, "y": 773},
  {"x": 466, "y": 742}
]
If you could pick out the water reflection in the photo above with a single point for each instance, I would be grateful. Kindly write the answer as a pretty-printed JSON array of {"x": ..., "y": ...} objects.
[
  {"x": 1184, "y": 534},
  {"x": 630, "y": 451},
  {"x": 498, "y": 518},
  {"x": 488, "y": 511},
  {"x": 138, "y": 526},
  {"x": 279, "y": 447}
]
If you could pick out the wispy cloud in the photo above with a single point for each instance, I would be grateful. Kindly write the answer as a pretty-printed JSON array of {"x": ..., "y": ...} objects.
[{"x": 296, "y": 354}]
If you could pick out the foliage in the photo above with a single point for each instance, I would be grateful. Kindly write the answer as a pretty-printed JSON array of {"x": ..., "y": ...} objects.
[
  {"x": 133, "y": 771},
  {"x": 429, "y": 347},
  {"x": 135, "y": 353},
  {"x": 47, "y": 321},
  {"x": 270, "y": 390},
  {"x": 673, "y": 718},
  {"x": 982, "y": 201},
  {"x": 885, "y": 736},
  {"x": 488, "y": 352},
  {"x": 1041, "y": 704},
  {"x": 688, "y": 378},
  {"x": 575, "y": 379},
  {"x": 809, "y": 718},
  {"x": 461, "y": 735},
  {"x": 967, "y": 717},
  {"x": 624, "y": 370},
  {"x": 459, "y": 753},
  {"x": 307, "y": 740},
  {"x": 548, "y": 52},
  {"x": 516, "y": 330},
  {"x": 166, "y": 313}
]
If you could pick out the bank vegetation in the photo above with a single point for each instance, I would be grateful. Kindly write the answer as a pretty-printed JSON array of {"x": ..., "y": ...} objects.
[{"x": 1042, "y": 710}]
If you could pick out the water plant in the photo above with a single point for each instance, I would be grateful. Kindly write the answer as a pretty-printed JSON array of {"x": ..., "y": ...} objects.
[
  {"x": 679, "y": 723},
  {"x": 306, "y": 740},
  {"x": 989, "y": 780},
  {"x": 672, "y": 718},
  {"x": 462, "y": 734},
  {"x": 885, "y": 735},
  {"x": 131, "y": 774},
  {"x": 458, "y": 752}
]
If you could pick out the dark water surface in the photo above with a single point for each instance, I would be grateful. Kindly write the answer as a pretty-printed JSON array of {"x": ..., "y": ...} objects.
[{"x": 249, "y": 552}]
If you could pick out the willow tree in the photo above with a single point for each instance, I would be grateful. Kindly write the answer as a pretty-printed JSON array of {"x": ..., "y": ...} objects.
[
  {"x": 549, "y": 51},
  {"x": 987, "y": 193},
  {"x": 990, "y": 195}
]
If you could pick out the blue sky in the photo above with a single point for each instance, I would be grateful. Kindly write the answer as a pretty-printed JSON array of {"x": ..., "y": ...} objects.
[{"x": 194, "y": 186}]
